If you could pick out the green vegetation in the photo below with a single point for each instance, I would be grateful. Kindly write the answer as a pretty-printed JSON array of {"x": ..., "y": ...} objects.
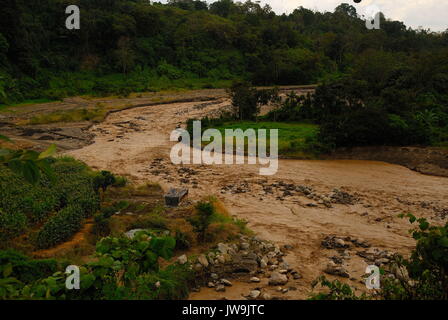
[
  {"x": 221, "y": 226},
  {"x": 124, "y": 269},
  {"x": 378, "y": 87},
  {"x": 27, "y": 163},
  {"x": 4, "y": 107},
  {"x": 427, "y": 268},
  {"x": 202, "y": 219},
  {"x": 121, "y": 267},
  {"x": 407, "y": 106},
  {"x": 133, "y": 46},
  {"x": 17, "y": 265},
  {"x": 54, "y": 206},
  {"x": 336, "y": 290},
  {"x": 60, "y": 227},
  {"x": 246, "y": 101},
  {"x": 404, "y": 106},
  {"x": 292, "y": 137},
  {"x": 76, "y": 115}
]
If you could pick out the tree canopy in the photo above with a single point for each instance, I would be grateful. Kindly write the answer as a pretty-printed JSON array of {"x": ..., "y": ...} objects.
[{"x": 40, "y": 58}]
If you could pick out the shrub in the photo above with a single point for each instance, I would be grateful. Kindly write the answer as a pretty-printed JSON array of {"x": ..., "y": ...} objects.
[
  {"x": 124, "y": 92},
  {"x": 11, "y": 225},
  {"x": 174, "y": 284},
  {"x": 319, "y": 144},
  {"x": 202, "y": 219},
  {"x": 103, "y": 179},
  {"x": 246, "y": 100},
  {"x": 336, "y": 290},
  {"x": 23, "y": 204},
  {"x": 101, "y": 225},
  {"x": 426, "y": 271},
  {"x": 125, "y": 269},
  {"x": 120, "y": 182},
  {"x": 183, "y": 241},
  {"x": 24, "y": 268},
  {"x": 141, "y": 252},
  {"x": 60, "y": 227},
  {"x": 108, "y": 212},
  {"x": 151, "y": 221},
  {"x": 168, "y": 70},
  {"x": 24, "y": 200},
  {"x": 221, "y": 232}
]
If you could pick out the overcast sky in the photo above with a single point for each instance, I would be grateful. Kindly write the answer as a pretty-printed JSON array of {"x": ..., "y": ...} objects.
[{"x": 431, "y": 14}]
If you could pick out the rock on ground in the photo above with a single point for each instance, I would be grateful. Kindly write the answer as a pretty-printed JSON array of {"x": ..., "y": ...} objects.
[{"x": 277, "y": 279}]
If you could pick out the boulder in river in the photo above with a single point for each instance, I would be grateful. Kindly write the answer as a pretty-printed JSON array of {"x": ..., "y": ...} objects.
[{"x": 277, "y": 279}]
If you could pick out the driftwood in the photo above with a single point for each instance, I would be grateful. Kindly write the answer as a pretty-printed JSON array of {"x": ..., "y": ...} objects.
[{"x": 174, "y": 196}]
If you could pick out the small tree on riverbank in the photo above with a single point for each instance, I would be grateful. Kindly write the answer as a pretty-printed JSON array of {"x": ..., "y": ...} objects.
[{"x": 247, "y": 100}]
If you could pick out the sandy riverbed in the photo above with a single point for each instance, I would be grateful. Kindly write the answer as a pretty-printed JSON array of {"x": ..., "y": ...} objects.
[{"x": 136, "y": 143}]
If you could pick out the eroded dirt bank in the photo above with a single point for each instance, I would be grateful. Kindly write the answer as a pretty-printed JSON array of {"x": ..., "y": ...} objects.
[
  {"x": 294, "y": 207},
  {"x": 433, "y": 161}
]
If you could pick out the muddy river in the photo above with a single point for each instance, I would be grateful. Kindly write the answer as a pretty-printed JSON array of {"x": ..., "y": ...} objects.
[{"x": 136, "y": 143}]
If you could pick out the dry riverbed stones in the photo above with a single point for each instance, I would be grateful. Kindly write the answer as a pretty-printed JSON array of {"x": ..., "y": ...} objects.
[
  {"x": 346, "y": 247},
  {"x": 282, "y": 190},
  {"x": 250, "y": 259}
]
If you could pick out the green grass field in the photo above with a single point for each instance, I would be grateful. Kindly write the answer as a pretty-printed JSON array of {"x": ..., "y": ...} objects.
[
  {"x": 291, "y": 136},
  {"x": 4, "y": 107}
]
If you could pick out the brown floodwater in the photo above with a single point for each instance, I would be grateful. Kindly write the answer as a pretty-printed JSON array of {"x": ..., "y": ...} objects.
[{"x": 135, "y": 143}]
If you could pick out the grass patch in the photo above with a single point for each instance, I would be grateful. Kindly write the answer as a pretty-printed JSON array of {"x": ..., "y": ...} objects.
[
  {"x": 76, "y": 115},
  {"x": 292, "y": 137},
  {"x": 174, "y": 284},
  {"x": 213, "y": 223},
  {"x": 4, "y": 107}
]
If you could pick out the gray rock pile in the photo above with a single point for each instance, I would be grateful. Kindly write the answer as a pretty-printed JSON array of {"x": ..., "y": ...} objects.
[
  {"x": 251, "y": 259},
  {"x": 283, "y": 190},
  {"x": 349, "y": 246},
  {"x": 336, "y": 242},
  {"x": 235, "y": 188},
  {"x": 336, "y": 270},
  {"x": 342, "y": 197},
  {"x": 376, "y": 256}
]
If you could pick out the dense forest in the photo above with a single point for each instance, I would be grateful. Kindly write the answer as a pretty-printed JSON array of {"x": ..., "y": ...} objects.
[
  {"x": 385, "y": 86},
  {"x": 133, "y": 45}
]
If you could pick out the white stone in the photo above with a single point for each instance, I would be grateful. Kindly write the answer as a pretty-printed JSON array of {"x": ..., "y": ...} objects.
[
  {"x": 223, "y": 248},
  {"x": 245, "y": 246},
  {"x": 182, "y": 259},
  {"x": 198, "y": 267},
  {"x": 226, "y": 282},
  {"x": 202, "y": 259},
  {"x": 220, "y": 288},
  {"x": 254, "y": 294},
  {"x": 277, "y": 279},
  {"x": 266, "y": 296},
  {"x": 131, "y": 233}
]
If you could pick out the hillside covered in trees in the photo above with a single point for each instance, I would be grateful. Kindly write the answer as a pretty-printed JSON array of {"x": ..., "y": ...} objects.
[{"x": 132, "y": 45}]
